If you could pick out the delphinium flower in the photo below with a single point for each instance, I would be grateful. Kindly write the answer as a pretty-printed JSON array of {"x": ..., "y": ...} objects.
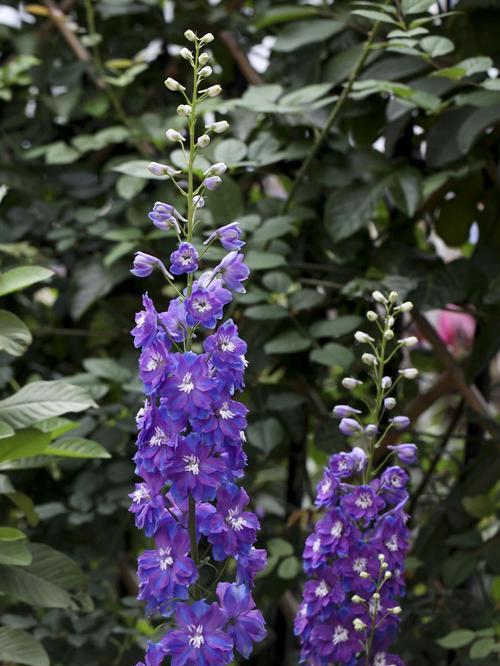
[
  {"x": 190, "y": 455},
  {"x": 354, "y": 558}
]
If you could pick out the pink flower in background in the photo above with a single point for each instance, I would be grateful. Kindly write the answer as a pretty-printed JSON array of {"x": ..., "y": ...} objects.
[{"x": 456, "y": 329}]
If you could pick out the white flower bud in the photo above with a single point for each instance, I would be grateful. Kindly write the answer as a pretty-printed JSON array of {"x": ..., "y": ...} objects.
[
  {"x": 174, "y": 135},
  {"x": 356, "y": 599},
  {"x": 203, "y": 141},
  {"x": 361, "y": 336},
  {"x": 396, "y": 610},
  {"x": 409, "y": 373},
  {"x": 375, "y": 596},
  {"x": 206, "y": 39},
  {"x": 388, "y": 335},
  {"x": 162, "y": 169},
  {"x": 371, "y": 315},
  {"x": 389, "y": 403},
  {"x": 381, "y": 557},
  {"x": 369, "y": 359},
  {"x": 386, "y": 383},
  {"x": 409, "y": 342},
  {"x": 203, "y": 59},
  {"x": 186, "y": 54},
  {"x": 218, "y": 127},
  {"x": 384, "y": 565},
  {"x": 217, "y": 169},
  {"x": 393, "y": 297},
  {"x": 407, "y": 306},
  {"x": 364, "y": 574},
  {"x": 358, "y": 624},
  {"x": 204, "y": 72},
  {"x": 387, "y": 575},
  {"x": 173, "y": 85},
  {"x": 213, "y": 91},
  {"x": 190, "y": 36},
  {"x": 390, "y": 322},
  {"x": 183, "y": 110},
  {"x": 350, "y": 383},
  {"x": 379, "y": 297},
  {"x": 198, "y": 201}
]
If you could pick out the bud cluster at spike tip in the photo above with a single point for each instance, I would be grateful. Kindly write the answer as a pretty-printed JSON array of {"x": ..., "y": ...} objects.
[
  {"x": 190, "y": 456},
  {"x": 354, "y": 558}
]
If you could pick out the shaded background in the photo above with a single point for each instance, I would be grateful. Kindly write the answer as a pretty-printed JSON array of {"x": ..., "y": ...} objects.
[{"x": 401, "y": 193}]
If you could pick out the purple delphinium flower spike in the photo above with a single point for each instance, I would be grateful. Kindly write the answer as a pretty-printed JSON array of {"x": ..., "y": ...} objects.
[
  {"x": 190, "y": 456},
  {"x": 355, "y": 556}
]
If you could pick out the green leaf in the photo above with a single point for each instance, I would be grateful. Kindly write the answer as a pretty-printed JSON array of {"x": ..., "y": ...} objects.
[
  {"x": 19, "y": 647},
  {"x": 333, "y": 355},
  {"x": 437, "y": 46},
  {"x": 374, "y": 15},
  {"x": 284, "y": 14},
  {"x": 24, "y": 444},
  {"x": 416, "y": 6},
  {"x": 129, "y": 186},
  {"x": 107, "y": 368},
  {"x": 42, "y": 400},
  {"x": 101, "y": 139},
  {"x": 266, "y": 434},
  {"x": 60, "y": 153},
  {"x": 352, "y": 208},
  {"x": 279, "y": 547},
  {"x": 305, "y": 95},
  {"x": 302, "y": 33},
  {"x": 259, "y": 261},
  {"x": 477, "y": 121},
  {"x": 335, "y": 328},
  {"x": 137, "y": 169},
  {"x": 407, "y": 190},
  {"x": 456, "y": 639},
  {"x": 11, "y": 534},
  {"x": 226, "y": 201},
  {"x": 5, "y": 430},
  {"x": 55, "y": 567},
  {"x": 230, "y": 151},
  {"x": 458, "y": 568},
  {"x": 22, "y": 277},
  {"x": 275, "y": 227},
  {"x": 266, "y": 312},
  {"x": 15, "y": 336},
  {"x": 76, "y": 447},
  {"x": 21, "y": 585},
  {"x": 289, "y": 568},
  {"x": 15, "y": 553},
  {"x": 290, "y": 342},
  {"x": 466, "y": 67},
  {"x": 482, "y": 648},
  {"x": 339, "y": 66},
  {"x": 91, "y": 281}
]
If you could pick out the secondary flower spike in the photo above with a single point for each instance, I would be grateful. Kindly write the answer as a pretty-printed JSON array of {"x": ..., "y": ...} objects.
[
  {"x": 190, "y": 457},
  {"x": 354, "y": 558}
]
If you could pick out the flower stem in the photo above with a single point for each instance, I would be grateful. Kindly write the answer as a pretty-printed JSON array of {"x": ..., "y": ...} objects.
[{"x": 193, "y": 540}]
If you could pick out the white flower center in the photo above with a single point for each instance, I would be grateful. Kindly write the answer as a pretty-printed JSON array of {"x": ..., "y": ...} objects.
[
  {"x": 159, "y": 438},
  {"x": 225, "y": 412},
  {"x": 154, "y": 361},
  {"x": 140, "y": 319},
  {"x": 336, "y": 530},
  {"x": 202, "y": 305},
  {"x": 396, "y": 481},
  {"x": 322, "y": 590},
  {"x": 303, "y": 611},
  {"x": 316, "y": 545},
  {"x": 380, "y": 659},
  {"x": 186, "y": 385},
  {"x": 234, "y": 520},
  {"x": 196, "y": 639},
  {"x": 243, "y": 437},
  {"x": 192, "y": 464},
  {"x": 140, "y": 494},
  {"x": 340, "y": 635},
  {"x": 359, "y": 565},
  {"x": 326, "y": 486},
  {"x": 226, "y": 344},
  {"x": 392, "y": 544},
  {"x": 186, "y": 259},
  {"x": 165, "y": 558},
  {"x": 364, "y": 501}
]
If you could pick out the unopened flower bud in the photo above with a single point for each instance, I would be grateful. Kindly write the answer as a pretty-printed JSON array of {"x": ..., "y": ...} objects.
[
  {"x": 400, "y": 422},
  {"x": 411, "y": 341},
  {"x": 409, "y": 373},
  {"x": 369, "y": 359},
  {"x": 371, "y": 430},
  {"x": 389, "y": 403},
  {"x": 396, "y": 610},
  {"x": 381, "y": 557},
  {"x": 361, "y": 336},
  {"x": 358, "y": 624},
  {"x": 186, "y": 54},
  {"x": 198, "y": 201},
  {"x": 203, "y": 59},
  {"x": 371, "y": 315},
  {"x": 393, "y": 297},
  {"x": 389, "y": 335},
  {"x": 386, "y": 383},
  {"x": 407, "y": 453},
  {"x": 364, "y": 574},
  {"x": 183, "y": 110},
  {"x": 387, "y": 575},
  {"x": 350, "y": 383},
  {"x": 206, "y": 39},
  {"x": 217, "y": 169},
  {"x": 384, "y": 565},
  {"x": 158, "y": 169},
  {"x": 205, "y": 72},
  {"x": 407, "y": 306},
  {"x": 349, "y": 427},
  {"x": 203, "y": 141},
  {"x": 213, "y": 91},
  {"x": 375, "y": 596},
  {"x": 173, "y": 85},
  {"x": 356, "y": 599},
  {"x": 174, "y": 135},
  {"x": 390, "y": 322},
  {"x": 343, "y": 411},
  {"x": 218, "y": 127},
  {"x": 212, "y": 182},
  {"x": 360, "y": 458},
  {"x": 190, "y": 36},
  {"x": 379, "y": 297}
]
